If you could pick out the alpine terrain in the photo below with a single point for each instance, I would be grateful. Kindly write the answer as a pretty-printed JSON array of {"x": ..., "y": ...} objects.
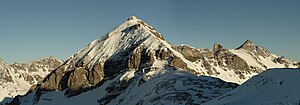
[
  {"x": 16, "y": 79},
  {"x": 134, "y": 64}
]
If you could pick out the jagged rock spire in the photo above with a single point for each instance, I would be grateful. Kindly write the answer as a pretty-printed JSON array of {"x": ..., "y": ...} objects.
[
  {"x": 217, "y": 47},
  {"x": 247, "y": 45}
]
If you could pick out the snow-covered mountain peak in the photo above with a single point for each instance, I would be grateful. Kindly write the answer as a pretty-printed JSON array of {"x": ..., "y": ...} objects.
[
  {"x": 132, "y": 33},
  {"x": 250, "y": 47},
  {"x": 132, "y": 18}
]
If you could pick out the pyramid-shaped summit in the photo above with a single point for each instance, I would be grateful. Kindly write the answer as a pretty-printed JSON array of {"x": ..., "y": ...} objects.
[
  {"x": 247, "y": 45},
  {"x": 133, "y": 45},
  {"x": 132, "y": 33}
]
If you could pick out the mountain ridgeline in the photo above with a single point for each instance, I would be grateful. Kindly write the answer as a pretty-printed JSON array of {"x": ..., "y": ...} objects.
[{"x": 134, "y": 64}]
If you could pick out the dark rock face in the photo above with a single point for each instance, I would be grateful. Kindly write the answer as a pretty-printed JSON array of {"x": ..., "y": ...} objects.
[
  {"x": 29, "y": 79},
  {"x": 81, "y": 77},
  {"x": 73, "y": 79},
  {"x": 236, "y": 62},
  {"x": 140, "y": 59},
  {"x": 77, "y": 79},
  {"x": 53, "y": 80},
  {"x": 231, "y": 60},
  {"x": 96, "y": 74},
  {"x": 262, "y": 51},
  {"x": 177, "y": 62},
  {"x": 189, "y": 53},
  {"x": 208, "y": 54},
  {"x": 280, "y": 60},
  {"x": 7, "y": 78}
]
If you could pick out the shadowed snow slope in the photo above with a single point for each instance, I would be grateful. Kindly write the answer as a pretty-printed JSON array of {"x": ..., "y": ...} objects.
[{"x": 272, "y": 87}]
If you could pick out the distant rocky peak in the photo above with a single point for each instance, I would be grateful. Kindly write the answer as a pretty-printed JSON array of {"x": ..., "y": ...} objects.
[
  {"x": 247, "y": 45},
  {"x": 251, "y": 47},
  {"x": 45, "y": 60},
  {"x": 49, "y": 58}
]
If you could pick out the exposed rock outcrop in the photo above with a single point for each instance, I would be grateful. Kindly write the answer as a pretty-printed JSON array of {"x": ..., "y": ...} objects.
[
  {"x": 188, "y": 52},
  {"x": 217, "y": 47}
]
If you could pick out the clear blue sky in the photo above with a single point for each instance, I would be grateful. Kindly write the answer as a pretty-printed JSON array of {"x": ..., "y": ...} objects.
[{"x": 35, "y": 29}]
